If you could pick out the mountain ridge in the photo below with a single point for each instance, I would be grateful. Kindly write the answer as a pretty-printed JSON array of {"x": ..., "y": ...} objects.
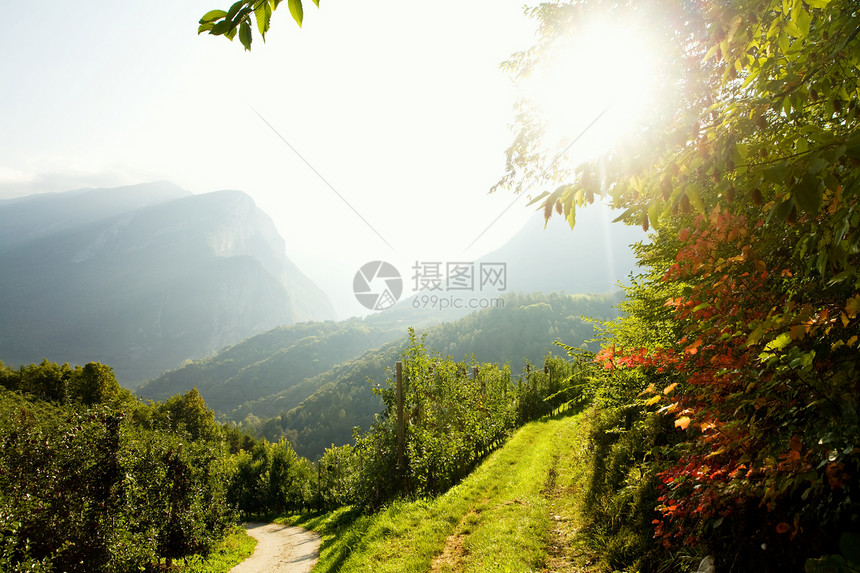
[{"x": 160, "y": 280}]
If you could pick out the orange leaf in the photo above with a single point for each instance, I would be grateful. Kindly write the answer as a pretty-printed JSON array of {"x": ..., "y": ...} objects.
[
  {"x": 651, "y": 388},
  {"x": 783, "y": 527},
  {"x": 693, "y": 348},
  {"x": 682, "y": 422},
  {"x": 796, "y": 443},
  {"x": 669, "y": 388},
  {"x": 668, "y": 409}
]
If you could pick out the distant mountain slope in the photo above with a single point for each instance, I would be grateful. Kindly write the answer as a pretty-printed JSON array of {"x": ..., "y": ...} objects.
[
  {"x": 148, "y": 286},
  {"x": 281, "y": 361},
  {"x": 593, "y": 257},
  {"x": 26, "y": 218},
  {"x": 524, "y": 329},
  {"x": 277, "y": 361}
]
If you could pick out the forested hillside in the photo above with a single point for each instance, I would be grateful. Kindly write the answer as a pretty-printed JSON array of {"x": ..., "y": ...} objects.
[
  {"x": 521, "y": 332},
  {"x": 277, "y": 361}
]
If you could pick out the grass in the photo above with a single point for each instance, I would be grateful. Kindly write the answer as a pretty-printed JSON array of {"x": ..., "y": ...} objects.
[
  {"x": 235, "y": 548},
  {"x": 570, "y": 550},
  {"x": 500, "y": 518}
]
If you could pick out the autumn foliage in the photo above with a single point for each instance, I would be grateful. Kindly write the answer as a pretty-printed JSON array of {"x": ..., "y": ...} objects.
[
  {"x": 741, "y": 336},
  {"x": 766, "y": 393}
]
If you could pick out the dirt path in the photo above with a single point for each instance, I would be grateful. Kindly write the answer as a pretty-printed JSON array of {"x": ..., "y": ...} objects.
[{"x": 280, "y": 549}]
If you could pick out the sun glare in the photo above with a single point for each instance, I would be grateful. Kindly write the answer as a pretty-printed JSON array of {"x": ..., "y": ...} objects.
[{"x": 605, "y": 75}]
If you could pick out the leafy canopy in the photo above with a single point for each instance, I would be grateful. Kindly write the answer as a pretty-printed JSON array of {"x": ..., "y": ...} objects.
[
  {"x": 748, "y": 177},
  {"x": 242, "y": 15}
]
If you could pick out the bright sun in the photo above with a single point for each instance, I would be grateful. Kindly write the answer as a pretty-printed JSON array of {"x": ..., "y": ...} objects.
[{"x": 605, "y": 76}]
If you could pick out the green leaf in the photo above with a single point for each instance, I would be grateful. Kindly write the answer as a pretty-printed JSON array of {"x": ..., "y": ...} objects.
[
  {"x": 776, "y": 174},
  {"x": 296, "y": 11},
  {"x": 781, "y": 211},
  {"x": 696, "y": 200},
  {"x": 222, "y": 27},
  {"x": 212, "y": 15},
  {"x": 570, "y": 211},
  {"x": 779, "y": 342},
  {"x": 817, "y": 165},
  {"x": 755, "y": 335},
  {"x": 234, "y": 9},
  {"x": 821, "y": 262},
  {"x": 538, "y": 198},
  {"x": 793, "y": 30},
  {"x": 263, "y": 12},
  {"x": 245, "y": 35},
  {"x": 710, "y": 53},
  {"x": 803, "y": 21},
  {"x": 654, "y": 215},
  {"x": 317, "y": 2},
  {"x": 807, "y": 193},
  {"x": 783, "y": 42},
  {"x": 623, "y": 216}
]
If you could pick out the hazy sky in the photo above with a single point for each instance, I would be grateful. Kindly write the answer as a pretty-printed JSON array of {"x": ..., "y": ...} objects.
[{"x": 400, "y": 106}]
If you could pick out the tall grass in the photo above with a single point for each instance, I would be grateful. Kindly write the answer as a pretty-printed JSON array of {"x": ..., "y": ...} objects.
[{"x": 496, "y": 519}]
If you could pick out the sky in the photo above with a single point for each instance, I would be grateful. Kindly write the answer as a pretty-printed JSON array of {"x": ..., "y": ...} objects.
[{"x": 374, "y": 132}]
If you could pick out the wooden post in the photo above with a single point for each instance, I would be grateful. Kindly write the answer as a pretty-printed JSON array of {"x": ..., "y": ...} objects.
[{"x": 401, "y": 422}]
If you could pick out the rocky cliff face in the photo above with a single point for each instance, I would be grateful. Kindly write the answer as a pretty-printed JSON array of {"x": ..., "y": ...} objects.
[{"x": 156, "y": 281}]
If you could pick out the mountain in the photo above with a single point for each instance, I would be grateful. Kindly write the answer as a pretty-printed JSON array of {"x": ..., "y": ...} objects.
[
  {"x": 276, "y": 371},
  {"x": 26, "y": 218},
  {"x": 143, "y": 278},
  {"x": 593, "y": 257}
]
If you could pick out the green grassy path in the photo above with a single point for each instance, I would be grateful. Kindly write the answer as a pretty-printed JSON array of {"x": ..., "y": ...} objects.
[{"x": 502, "y": 517}]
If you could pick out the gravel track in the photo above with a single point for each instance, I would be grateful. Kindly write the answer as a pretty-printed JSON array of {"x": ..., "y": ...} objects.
[{"x": 280, "y": 549}]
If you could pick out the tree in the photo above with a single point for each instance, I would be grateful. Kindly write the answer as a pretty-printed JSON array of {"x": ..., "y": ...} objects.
[
  {"x": 187, "y": 413},
  {"x": 47, "y": 380},
  {"x": 237, "y": 19},
  {"x": 96, "y": 383},
  {"x": 749, "y": 181}
]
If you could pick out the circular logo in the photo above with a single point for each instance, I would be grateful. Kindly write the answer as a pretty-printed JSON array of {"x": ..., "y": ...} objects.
[{"x": 377, "y": 285}]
